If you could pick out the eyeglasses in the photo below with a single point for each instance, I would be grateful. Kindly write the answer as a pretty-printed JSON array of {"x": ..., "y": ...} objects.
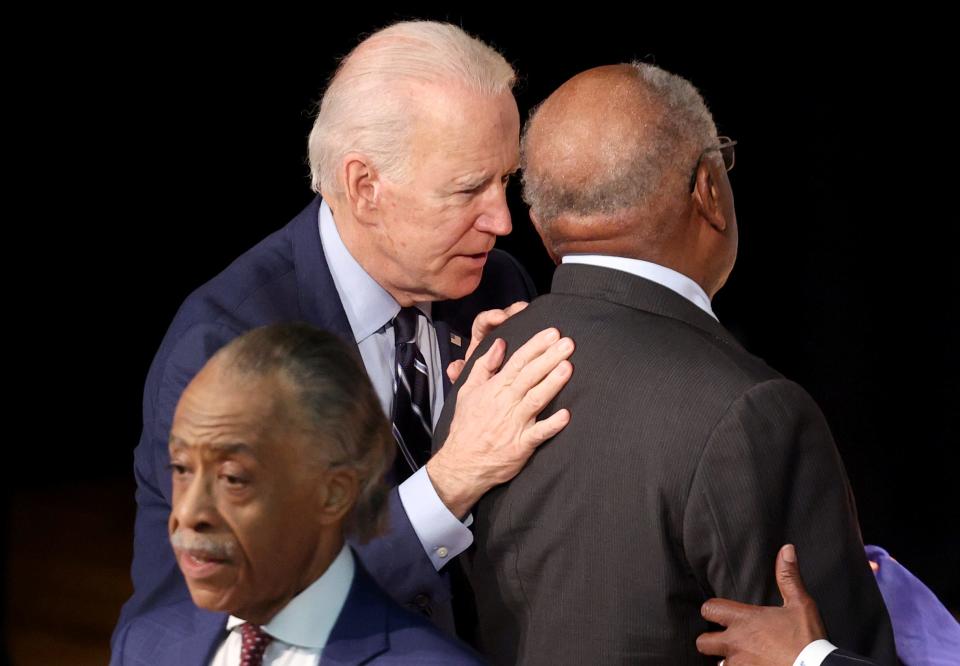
[{"x": 725, "y": 146}]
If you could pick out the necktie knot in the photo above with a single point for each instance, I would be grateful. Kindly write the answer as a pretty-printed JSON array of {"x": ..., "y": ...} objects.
[
  {"x": 255, "y": 642},
  {"x": 405, "y": 325}
]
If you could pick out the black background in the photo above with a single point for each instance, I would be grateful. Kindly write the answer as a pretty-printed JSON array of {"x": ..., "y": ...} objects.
[{"x": 168, "y": 145}]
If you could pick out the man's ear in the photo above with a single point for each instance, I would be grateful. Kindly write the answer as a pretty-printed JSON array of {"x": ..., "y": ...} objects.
[
  {"x": 341, "y": 488},
  {"x": 707, "y": 195},
  {"x": 362, "y": 183}
]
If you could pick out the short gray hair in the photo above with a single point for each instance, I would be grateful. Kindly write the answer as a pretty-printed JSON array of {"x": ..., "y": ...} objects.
[
  {"x": 336, "y": 395},
  {"x": 367, "y": 106},
  {"x": 681, "y": 128}
]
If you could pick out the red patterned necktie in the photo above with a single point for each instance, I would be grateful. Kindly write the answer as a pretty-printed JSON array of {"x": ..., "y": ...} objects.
[{"x": 255, "y": 641}]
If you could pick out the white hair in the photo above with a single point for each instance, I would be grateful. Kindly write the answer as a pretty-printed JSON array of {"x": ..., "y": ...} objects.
[{"x": 368, "y": 106}]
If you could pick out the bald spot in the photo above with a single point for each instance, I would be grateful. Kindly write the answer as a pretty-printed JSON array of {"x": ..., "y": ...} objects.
[
  {"x": 588, "y": 133},
  {"x": 583, "y": 130}
]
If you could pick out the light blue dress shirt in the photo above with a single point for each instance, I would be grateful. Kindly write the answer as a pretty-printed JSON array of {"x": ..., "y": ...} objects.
[
  {"x": 301, "y": 629},
  {"x": 370, "y": 309}
]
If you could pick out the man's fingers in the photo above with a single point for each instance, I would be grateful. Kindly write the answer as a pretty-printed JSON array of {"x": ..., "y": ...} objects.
[
  {"x": 713, "y": 643},
  {"x": 788, "y": 577},
  {"x": 724, "y": 611},
  {"x": 514, "y": 308},
  {"x": 454, "y": 370},
  {"x": 487, "y": 365},
  {"x": 543, "y": 430},
  {"x": 484, "y": 323},
  {"x": 527, "y": 352},
  {"x": 538, "y": 397},
  {"x": 488, "y": 320},
  {"x": 548, "y": 365},
  {"x": 527, "y": 367}
]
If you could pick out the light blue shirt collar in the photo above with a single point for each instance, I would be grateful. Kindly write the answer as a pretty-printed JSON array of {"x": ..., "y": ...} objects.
[
  {"x": 667, "y": 277},
  {"x": 368, "y": 305},
  {"x": 307, "y": 620}
]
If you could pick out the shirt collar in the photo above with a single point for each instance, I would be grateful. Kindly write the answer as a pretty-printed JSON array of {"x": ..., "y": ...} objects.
[
  {"x": 308, "y": 618},
  {"x": 667, "y": 277},
  {"x": 368, "y": 305}
]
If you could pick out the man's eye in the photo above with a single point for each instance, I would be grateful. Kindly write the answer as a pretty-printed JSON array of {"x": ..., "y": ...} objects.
[{"x": 234, "y": 481}]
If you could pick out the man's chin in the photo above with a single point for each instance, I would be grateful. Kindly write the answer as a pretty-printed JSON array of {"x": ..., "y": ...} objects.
[
  {"x": 217, "y": 600},
  {"x": 465, "y": 283}
]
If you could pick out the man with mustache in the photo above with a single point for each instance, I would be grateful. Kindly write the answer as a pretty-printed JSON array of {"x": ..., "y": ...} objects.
[
  {"x": 415, "y": 140},
  {"x": 278, "y": 447}
]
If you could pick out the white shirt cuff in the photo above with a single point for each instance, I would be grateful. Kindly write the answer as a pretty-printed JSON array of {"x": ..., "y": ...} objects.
[
  {"x": 815, "y": 653},
  {"x": 442, "y": 536}
]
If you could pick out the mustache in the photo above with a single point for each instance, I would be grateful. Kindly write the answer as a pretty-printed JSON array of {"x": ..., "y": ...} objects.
[{"x": 221, "y": 548}]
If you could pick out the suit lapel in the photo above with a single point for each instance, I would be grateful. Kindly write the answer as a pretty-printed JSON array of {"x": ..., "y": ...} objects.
[
  {"x": 361, "y": 631},
  {"x": 453, "y": 345},
  {"x": 197, "y": 646},
  {"x": 316, "y": 290}
]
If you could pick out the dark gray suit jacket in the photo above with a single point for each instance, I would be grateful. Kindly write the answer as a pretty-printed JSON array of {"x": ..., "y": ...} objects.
[{"x": 686, "y": 465}]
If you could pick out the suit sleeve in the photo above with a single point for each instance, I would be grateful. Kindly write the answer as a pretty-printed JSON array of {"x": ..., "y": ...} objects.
[
  {"x": 156, "y": 578},
  {"x": 844, "y": 658},
  {"x": 399, "y": 563},
  {"x": 770, "y": 474}
]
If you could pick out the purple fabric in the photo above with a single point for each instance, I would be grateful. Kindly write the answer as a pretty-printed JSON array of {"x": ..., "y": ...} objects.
[{"x": 925, "y": 632}]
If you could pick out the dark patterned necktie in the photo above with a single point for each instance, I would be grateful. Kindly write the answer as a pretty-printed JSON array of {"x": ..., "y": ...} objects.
[
  {"x": 412, "y": 423},
  {"x": 255, "y": 641}
]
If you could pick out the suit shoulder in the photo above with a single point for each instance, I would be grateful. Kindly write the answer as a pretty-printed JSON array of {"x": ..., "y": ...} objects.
[
  {"x": 257, "y": 288},
  {"x": 264, "y": 274},
  {"x": 652, "y": 344}
]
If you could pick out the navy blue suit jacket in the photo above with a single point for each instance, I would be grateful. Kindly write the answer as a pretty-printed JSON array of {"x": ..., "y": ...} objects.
[
  {"x": 283, "y": 278},
  {"x": 371, "y": 629}
]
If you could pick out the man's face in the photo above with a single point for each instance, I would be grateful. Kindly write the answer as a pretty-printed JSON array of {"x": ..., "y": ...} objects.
[
  {"x": 436, "y": 230},
  {"x": 243, "y": 523}
]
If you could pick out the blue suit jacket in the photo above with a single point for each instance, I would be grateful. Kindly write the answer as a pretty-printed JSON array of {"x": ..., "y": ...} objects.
[
  {"x": 283, "y": 278},
  {"x": 371, "y": 629}
]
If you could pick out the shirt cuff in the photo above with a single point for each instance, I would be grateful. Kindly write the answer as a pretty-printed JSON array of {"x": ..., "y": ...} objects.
[
  {"x": 442, "y": 536},
  {"x": 815, "y": 653}
]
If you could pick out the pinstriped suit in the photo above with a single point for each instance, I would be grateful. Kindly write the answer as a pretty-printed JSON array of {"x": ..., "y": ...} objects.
[{"x": 686, "y": 465}]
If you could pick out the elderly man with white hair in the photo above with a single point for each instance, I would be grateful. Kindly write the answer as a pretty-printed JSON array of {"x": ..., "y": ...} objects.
[{"x": 414, "y": 143}]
